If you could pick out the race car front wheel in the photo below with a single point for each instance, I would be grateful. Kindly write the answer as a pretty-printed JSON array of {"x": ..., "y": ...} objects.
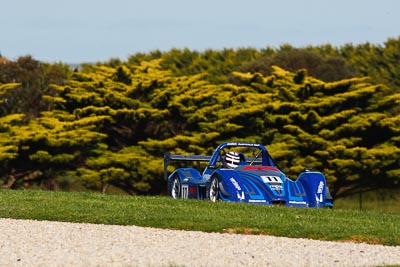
[
  {"x": 214, "y": 189},
  {"x": 176, "y": 188}
]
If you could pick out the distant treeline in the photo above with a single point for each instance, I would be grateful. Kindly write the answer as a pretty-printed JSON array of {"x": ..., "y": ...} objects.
[{"x": 108, "y": 124}]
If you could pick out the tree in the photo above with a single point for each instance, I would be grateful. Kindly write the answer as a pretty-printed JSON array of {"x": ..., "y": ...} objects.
[
  {"x": 32, "y": 79},
  {"x": 331, "y": 68},
  {"x": 110, "y": 124}
]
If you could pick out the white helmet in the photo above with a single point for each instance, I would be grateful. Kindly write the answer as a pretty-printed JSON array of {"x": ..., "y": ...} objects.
[{"x": 232, "y": 159}]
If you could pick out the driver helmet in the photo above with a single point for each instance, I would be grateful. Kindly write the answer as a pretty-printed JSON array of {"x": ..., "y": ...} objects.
[{"x": 232, "y": 159}]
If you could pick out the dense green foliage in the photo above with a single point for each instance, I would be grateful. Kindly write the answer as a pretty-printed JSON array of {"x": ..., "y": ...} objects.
[
  {"x": 110, "y": 123},
  {"x": 162, "y": 212}
]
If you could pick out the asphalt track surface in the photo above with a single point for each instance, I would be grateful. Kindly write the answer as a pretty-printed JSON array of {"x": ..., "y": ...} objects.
[{"x": 44, "y": 243}]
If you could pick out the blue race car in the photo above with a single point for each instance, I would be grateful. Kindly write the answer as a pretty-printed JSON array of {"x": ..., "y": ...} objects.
[{"x": 245, "y": 172}]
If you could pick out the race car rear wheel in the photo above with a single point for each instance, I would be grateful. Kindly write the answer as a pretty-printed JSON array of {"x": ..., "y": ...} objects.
[
  {"x": 214, "y": 189},
  {"x": 176, "y": 188}
]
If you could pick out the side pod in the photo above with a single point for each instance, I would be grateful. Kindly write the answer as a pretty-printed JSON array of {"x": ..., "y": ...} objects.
[{"x": 314, "y": 184}]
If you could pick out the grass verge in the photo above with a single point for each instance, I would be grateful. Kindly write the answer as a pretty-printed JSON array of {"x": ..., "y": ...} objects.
[{"x": 163, "y": 212}]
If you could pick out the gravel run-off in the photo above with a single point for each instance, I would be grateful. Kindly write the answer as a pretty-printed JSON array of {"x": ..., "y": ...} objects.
[{"x": 45, "y": 243}]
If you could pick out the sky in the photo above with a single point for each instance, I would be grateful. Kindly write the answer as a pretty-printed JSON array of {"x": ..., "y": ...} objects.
[{"x": 78, "y": 31}]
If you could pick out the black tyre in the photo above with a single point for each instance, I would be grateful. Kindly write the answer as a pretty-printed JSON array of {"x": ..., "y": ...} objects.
[
  {"x": 213, "y": 192},
  {"x": 176, "y": 188}
]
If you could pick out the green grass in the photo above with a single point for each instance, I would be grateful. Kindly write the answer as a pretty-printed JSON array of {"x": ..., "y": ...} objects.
[
  {"x": 163, "y": 212},
  {"x": 379, "y": 200}
]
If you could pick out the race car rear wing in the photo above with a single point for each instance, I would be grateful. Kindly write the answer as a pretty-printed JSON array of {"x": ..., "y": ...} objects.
[{"x": 168, "y": 157}]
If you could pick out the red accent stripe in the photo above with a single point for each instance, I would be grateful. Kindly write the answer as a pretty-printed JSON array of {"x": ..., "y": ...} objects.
[{"x": 259, "y": 168}]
